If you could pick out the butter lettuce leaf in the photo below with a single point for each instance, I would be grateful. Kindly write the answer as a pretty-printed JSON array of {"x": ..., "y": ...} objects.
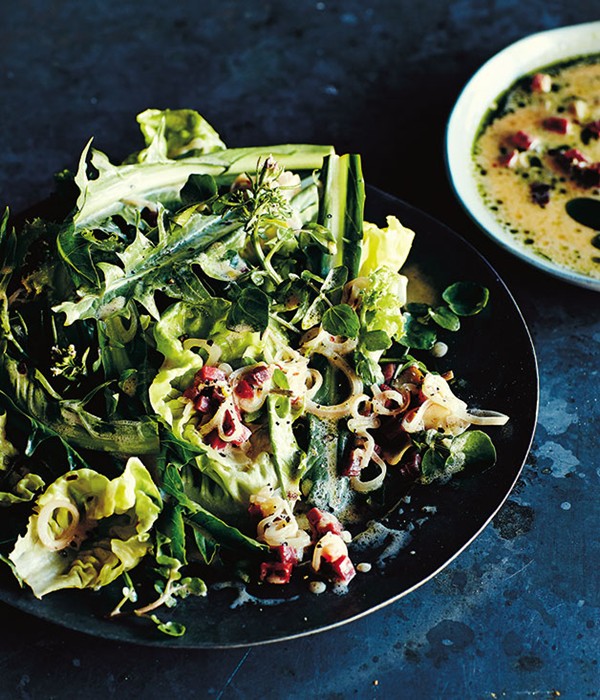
[
  {"x": 174, "y": 133},
  {"x": 224, "y": 480},
  {"x": 113, "y": 527},
  {"x": 381, "y": 320},
  {"x": 388, "y": 246}
]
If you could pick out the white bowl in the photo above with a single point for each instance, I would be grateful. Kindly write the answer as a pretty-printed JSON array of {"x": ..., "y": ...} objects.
[{"x": 491, "y": 80}]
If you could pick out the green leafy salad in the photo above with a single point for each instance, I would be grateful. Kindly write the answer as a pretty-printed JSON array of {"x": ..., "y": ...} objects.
[{"x": 208, "y": 372}]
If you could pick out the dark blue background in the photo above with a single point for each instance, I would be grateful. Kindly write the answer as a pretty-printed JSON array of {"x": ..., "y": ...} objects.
[{"x": 516, "y": 615}]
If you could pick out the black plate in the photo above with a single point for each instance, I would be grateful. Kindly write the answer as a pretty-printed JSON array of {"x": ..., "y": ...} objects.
[{"x": 494, "y": 358}]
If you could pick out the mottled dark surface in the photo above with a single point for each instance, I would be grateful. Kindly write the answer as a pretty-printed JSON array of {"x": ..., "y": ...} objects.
[{"x": 516, "y": 615}]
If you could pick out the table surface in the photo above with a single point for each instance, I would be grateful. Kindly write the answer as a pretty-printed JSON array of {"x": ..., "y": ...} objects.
[{"x": 516, "y": 614}]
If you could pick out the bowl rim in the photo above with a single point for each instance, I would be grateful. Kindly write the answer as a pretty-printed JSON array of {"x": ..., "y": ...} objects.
[{"x": 519, "y": 58}]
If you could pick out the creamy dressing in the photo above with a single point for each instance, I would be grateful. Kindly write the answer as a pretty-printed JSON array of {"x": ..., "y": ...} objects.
[
  {"x": 378, "y": 536},
  {"x": 243, "y": 597},
  {"x": 545, "y": 229}
]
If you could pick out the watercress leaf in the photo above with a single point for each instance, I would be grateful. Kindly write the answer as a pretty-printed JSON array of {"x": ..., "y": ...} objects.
[
  {"x": 409, "y": 361},
  {"x": 432, "y": 464},
  {"x": 250, "y": 311},
  {"x": 280, "y": 380},
  {"x": 466, "y": 298},
  {"x": 445, "y": 318},
  {"x": 376, "y": 340},
  {"x": 336, "y": 279},
  {"x": 417, "y": 308},
  {"x": 191, "y": 585},
  {"x": 416, "y": 335},
  {"x": 313, "y": 234},
  {"x": 173, "y": 629},
  {"x": 341, "y": 320},
  {"x": 473, "y": 448},
  {"x": 314, "y": 313},
  {"x": 198, "y": 188},
  {"x": 367, "y": 368}
]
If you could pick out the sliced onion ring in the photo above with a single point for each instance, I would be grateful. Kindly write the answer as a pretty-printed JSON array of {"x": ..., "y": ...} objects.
[
  {"x": 213, "y": 350},
  {"x": 372, "y": 484},
  {"x": 356, "y": 388},
  {"x": 484, "y": 417},
  {"x": 43, "y": 524}
]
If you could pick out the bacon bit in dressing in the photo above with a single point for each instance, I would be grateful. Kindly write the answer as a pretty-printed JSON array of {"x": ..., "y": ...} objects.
[
  {"x": 523, "y": 141},
  {"x": 560, "y": 125},
  {"x": 541, "y": 82},
  {"x": 509, "y": 160}
]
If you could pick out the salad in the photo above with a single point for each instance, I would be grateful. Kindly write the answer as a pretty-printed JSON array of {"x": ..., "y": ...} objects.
[{"x": 210, "y": 371}]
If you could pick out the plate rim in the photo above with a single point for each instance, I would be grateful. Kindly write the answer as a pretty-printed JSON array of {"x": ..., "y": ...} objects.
[{"x": 461, "y": 173}]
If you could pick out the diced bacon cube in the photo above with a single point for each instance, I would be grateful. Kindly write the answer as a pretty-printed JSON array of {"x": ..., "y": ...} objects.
[
  {"x": 510, "y": 159},
  {"x": 523, "y": 141},
  {"x": 202, "y": 403},
  {"x": 389, "y": 370},
  {"x": 208, "y": 373},
  {"x": 342, "y": 569},
  {"x": 215, "y": 441},
  {"x": 275, "y": 572},
  {"x": 559, "y": 125},
  {"x": 571, "y": 158},
  {"x": 191, "y": 392},
  {"x": 228, "y": 424},
  {"x": 541, "y": 82},
  {"x": 258, "y": 375},
  {"x": 244, "y": 390},
  {"x": 322, "y": 522},
  {"x": 287, "y": 554},
  {"x": 352, "y": 467}
]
